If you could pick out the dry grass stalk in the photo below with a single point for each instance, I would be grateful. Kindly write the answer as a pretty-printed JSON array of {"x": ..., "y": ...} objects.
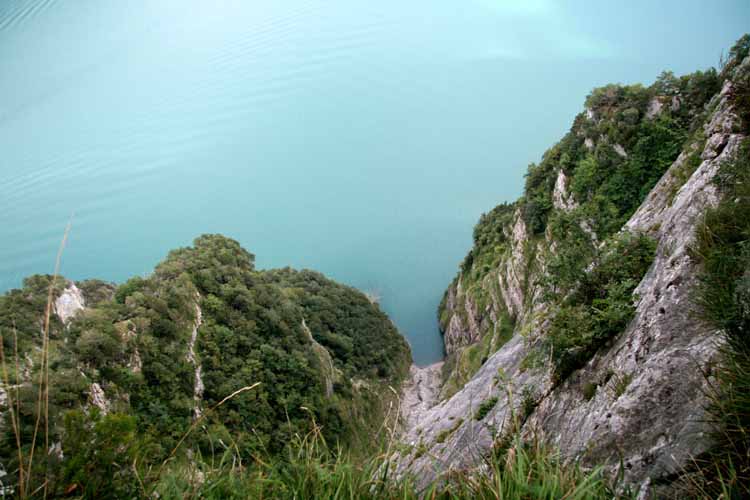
[
  {"x": 24, "y": 471},
  {"x": 200, "y": 419},
  {"x": 13, "y": 410}
]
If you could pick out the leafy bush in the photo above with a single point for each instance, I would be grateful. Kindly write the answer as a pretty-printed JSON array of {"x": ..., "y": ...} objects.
[
  {"x": 136, "y": 344},
  {"x": 602, "y": 304},
  {"x": 566, "y": 266},
  {"x": 589, "y": 390},
  {"x": 98, "y": 452},
  {"x": 536, "y": 202},
  {"x": 740, "y": 96},
  {"x": 620, "y": 384},
  {"x": 485, "y": 407},
  {"x": 529, "y": 402},
  {"x": 737, "y": 53}
]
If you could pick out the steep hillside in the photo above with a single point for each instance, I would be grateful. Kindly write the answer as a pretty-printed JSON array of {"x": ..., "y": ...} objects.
[
  {"x": 573, "y": 317},
  {"x": 133, "y": 367},
  {"x": 596, "y": 336}
]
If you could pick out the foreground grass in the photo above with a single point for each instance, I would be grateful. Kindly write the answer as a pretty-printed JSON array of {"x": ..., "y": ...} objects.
[
  {"x": 312, "y": 470},
  {"x": 103, "y": 456}
]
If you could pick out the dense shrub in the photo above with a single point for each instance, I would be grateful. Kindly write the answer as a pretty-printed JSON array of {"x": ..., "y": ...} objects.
[
  {"x": 566, "y": 266},
  {"x": 736, "y": 55},
  {"x": 485, "y": 407},
  {"x": 602, "y": 304},
  {"x": 135, "y": 342},
  {"x": 98, "y": 449}
]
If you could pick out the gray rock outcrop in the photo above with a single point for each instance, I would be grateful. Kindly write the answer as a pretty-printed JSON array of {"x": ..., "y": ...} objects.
[
  {"x": 637, "y": 407},
  {"x": 69, "y": 302}
]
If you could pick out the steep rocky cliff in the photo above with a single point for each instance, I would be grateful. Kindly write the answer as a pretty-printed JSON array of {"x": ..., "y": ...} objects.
[{"x": 572, "y": 318}]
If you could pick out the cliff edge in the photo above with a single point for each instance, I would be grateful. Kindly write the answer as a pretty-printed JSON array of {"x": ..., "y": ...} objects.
[{"x": 572, "y": 319}]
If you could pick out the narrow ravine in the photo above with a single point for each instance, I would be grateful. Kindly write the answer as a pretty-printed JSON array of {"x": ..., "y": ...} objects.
[
  {"x": 421, "y": 393},
  {"x": 192, "y": 358}
]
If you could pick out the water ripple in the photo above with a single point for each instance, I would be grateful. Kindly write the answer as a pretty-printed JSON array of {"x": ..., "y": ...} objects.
[{"x": 15, "y": 13}]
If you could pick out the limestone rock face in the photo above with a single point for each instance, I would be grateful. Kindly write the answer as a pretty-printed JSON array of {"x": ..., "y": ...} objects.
[
  {"x": 420, "y": 393},
  {"x": 98, "y": 398},
  {"x": 69, "y": 302},
  {"x": 509, "y": 292},
  {"x": 198, "y": 386},
  {"x": 654, "y": 108},
  {"x": 560, "y": 196},
  {"x": 464, "y": 328},
  {"x": 645, "y": 411},
  {"x": 511, "y": 281}
]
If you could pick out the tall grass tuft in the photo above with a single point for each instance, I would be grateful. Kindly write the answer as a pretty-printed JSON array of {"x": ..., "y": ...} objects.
[
  {"x": 723, "y": 248},
  {"x": 26, "y": 472},
  {"x": 310, "y": 469}
]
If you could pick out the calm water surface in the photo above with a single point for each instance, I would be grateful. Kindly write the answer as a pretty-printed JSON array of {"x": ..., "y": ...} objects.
[{"x": 360, "y": 139}]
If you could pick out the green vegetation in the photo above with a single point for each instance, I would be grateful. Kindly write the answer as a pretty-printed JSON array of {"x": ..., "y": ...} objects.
[
  {"x": 485, "y": 407},
  {"x": 294, "y": 397},
  {"x": 530, "y": 469},
  {"x": 308, "y": 468},
  {"x": 740, "y": 92},
  {"x": 529, "y": 402},
  {"x": 312, "y": 470},
  {"x": 461, "y": 366},
  {"x": 739, "y": 51},
  {"x": 490, "y": 238},
  {"x": 491, "y": 243},
  {"x": 447, "y": 432},
  {"x": 607, "y": 182},
  {"x": 724, "y": 296},
  {"x": 620, "y": 384},
  {"x": 611, "y": 158},
  {"x": 576, "y": 259},
  {"x": 421, "y": 450},
  {"x": 566, "y": 266},
  {"x": 601, "y": 305},
  {"x": 589, "y": 390},
  {"x": 682, "y": 173},
  {"x": 132, "y": 349}
]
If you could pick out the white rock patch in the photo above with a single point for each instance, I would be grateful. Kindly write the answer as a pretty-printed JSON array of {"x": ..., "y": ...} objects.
[
  {"x": 69, "y": 302},
  {"x": 198, "y": 386}
]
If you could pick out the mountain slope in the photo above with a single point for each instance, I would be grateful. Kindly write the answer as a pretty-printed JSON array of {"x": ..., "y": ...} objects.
[
  {"x": 145, "y": 361},
  {"x": 573, "y": 317}
]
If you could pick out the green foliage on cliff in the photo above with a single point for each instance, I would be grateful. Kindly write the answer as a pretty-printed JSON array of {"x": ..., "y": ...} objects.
[
  {"x": 485, "y": 407},
  {"x": 739, "y": 51},
  {"x": 601, "y": 305},
  {"x": 205, "y": 304},
  {"x": 490, "y": 240},
  {"x": 627, "y": 153},
  {"x": 577, "y": 198},
  {"x": 460, "y": 367},
  {"x": 362, "y": 340}
]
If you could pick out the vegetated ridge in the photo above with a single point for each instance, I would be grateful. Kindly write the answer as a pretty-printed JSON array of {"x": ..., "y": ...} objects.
[
  {"x": 596, "y": 337},
  {"x": 579, "y": 315},
  {"x": 132, "y": 368}
]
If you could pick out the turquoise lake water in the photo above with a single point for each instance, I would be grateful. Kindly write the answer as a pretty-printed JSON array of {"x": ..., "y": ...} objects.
[{"x": 360, "y": 139}]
